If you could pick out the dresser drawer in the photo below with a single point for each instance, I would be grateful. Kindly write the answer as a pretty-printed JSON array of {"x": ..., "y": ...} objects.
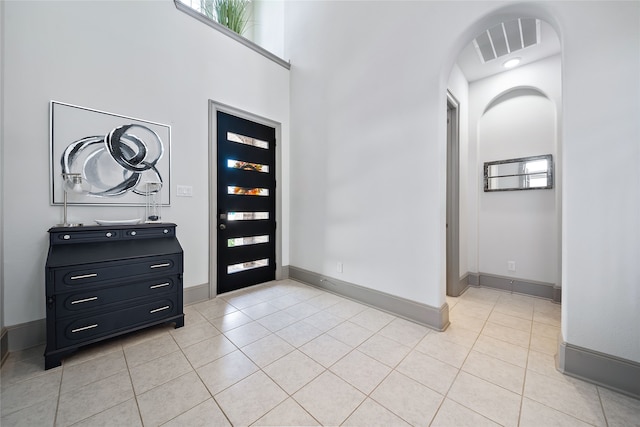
[
  {"x": 70, "y": 303},
  {"x": 147, "y": 233},
  {"x": 71, "y": 332},
  {"x": 87, "y": 275},
  {"x": 72, "y": 237}
]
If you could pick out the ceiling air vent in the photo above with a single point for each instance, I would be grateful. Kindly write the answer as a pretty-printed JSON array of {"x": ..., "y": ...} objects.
[{"x": 507, "y": 37}]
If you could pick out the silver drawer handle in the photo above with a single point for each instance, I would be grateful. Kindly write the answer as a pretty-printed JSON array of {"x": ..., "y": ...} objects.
[
  {"x": 133, "y": 233},
  {"x": 95, "y": 325},
  {"x": 162, "y": 285},
  {"x": 167, "y": 264},
  {"x": 84, "y": 300},
  {"x": 166, "y": 307},
  {"x": 84, "y": 276}
]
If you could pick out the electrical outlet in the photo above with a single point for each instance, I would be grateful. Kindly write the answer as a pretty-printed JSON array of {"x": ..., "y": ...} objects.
[
  {"x": 511, "y": 266},
  {"x": 339, "y": 267}
]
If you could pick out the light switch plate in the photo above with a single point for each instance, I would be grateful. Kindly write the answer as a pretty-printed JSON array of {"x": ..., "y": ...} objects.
[{"x": 184, "y": 191}]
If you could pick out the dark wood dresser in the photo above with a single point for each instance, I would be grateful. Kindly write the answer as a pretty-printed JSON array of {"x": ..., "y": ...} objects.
[{"x": 105, "y": 281}]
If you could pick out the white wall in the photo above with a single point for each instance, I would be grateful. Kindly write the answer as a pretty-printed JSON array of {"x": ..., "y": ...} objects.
[
  {"x": 140, "y": 59},
  {"x": 601, "y": 178},
  {"x": 368, "y": 163},
  {"x": 268, "y": 25},
  {"x": 518, "y": 226}
]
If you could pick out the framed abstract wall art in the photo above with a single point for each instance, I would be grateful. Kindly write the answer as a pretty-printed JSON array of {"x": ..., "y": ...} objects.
[{"x": 118, "y": 156}]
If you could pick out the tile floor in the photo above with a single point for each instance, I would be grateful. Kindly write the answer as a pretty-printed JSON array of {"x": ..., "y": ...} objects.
[{"x": 284, "y": 353}]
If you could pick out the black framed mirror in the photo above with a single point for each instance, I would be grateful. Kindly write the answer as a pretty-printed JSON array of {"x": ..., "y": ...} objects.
[{"x": 525, "y": 173}]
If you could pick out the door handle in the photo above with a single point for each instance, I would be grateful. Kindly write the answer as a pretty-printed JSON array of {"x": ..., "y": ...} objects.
[{"x": 222, "y": 227}]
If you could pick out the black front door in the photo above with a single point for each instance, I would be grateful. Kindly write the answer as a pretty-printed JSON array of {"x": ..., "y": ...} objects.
[{"x": 246, "y": 203}]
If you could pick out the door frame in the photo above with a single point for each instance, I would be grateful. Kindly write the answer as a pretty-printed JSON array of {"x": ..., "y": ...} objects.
[
  {"x": 214, "y": 107},
  {"x": 452, "y": 264}
]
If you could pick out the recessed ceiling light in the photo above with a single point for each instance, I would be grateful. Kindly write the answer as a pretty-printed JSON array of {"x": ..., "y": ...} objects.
[{"x": 511, "y": 63}]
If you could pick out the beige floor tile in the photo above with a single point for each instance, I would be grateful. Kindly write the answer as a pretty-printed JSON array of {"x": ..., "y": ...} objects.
[
  {"x": 479, "y": 310},
  {"x": 230, "y": 321},
  {"x": 29, "y": 392},
  {"x": 193, "y": 334},
  {"x": 576, "y": 398},
  {"x": 545, "y": 330},
  {"x": 372, "y": 319},
  {"x": 436, "y": 346},
  {"x": 325, "y": 350},
  {"x": 350, "y": 333},
  {"x": 150, "y": 349},
  {"x": 619, "y": 410},
  {"x": 242, "y": 299},
  {"x": 214, "y": 308},
  {"x": 208, "y": 350},
  {"x": 40, "y": 414},
  {"x": 547, "y": 318},
  {"x": 146, "y": 334},
  {"x": 15, "y": 370},
  {"x": 267, "y": 350},
  {"x": 459, "y": 319},
  {"x": 534, "y": 414},
  {"x": 459, "y": 335},
  {"x": 288, "y": 413},
  {"x": 384, "y": 350},
  {"x": 250, "y": 399},
  {"x": 323, "y": 321},
  {"x": 192, "y": 316},
  {"x": 543, "y": 344},
  {"x": 124, "y": 414},
  {"x": 504, "y": 333},
  {"x": 482, "y": 295},
  {"x": 428, "y": 371},
  {"x": 171, "y": 399},
  {"x": 543, "y": 363},
  {"x": 261, "y": 310},
  {"x": 93, "y": 398},
  {"x": 452, "y": 414},
  {"x": 372, "y": 414},
  {"x": 405, "y": 332},
  {"x": 487, "y": 399},
  {"x": 226, "y": 371},
  {"x": 206, "y": 414},
  {"x": 102, "y": 348},
  {"x": 413, "y": 402},
  {"x": 324, "y": 300},
  {"x": 286, "y": 301},
  {"x": 361, "y": 371},
  {"x": 299, "y": 333},
  {"x": 502, "y": 350},
  {"x": 346, "y": 309},
  {"x": 247, "y": 333},
  {"x": 294, "y": 371},
  {"x": 303, "y": 310},
  {"x": 159, "y": 371},
  {"x": 276, "y": 321},
  {"x": 495, "y": 371},
  {"x": 92, "y": 370},
  {"x": 510, "y": 321},
  {"x": 329, "y": 399},
  {"x": 522, "y": 311}
]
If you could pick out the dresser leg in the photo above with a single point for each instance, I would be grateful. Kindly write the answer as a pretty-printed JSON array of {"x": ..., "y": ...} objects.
[
  {"x": 52, "y": 361},
  {"x": 180, "y": 322}
]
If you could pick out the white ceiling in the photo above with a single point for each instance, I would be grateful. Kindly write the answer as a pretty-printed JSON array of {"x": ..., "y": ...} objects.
[{"x": 474, "y": 69}]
